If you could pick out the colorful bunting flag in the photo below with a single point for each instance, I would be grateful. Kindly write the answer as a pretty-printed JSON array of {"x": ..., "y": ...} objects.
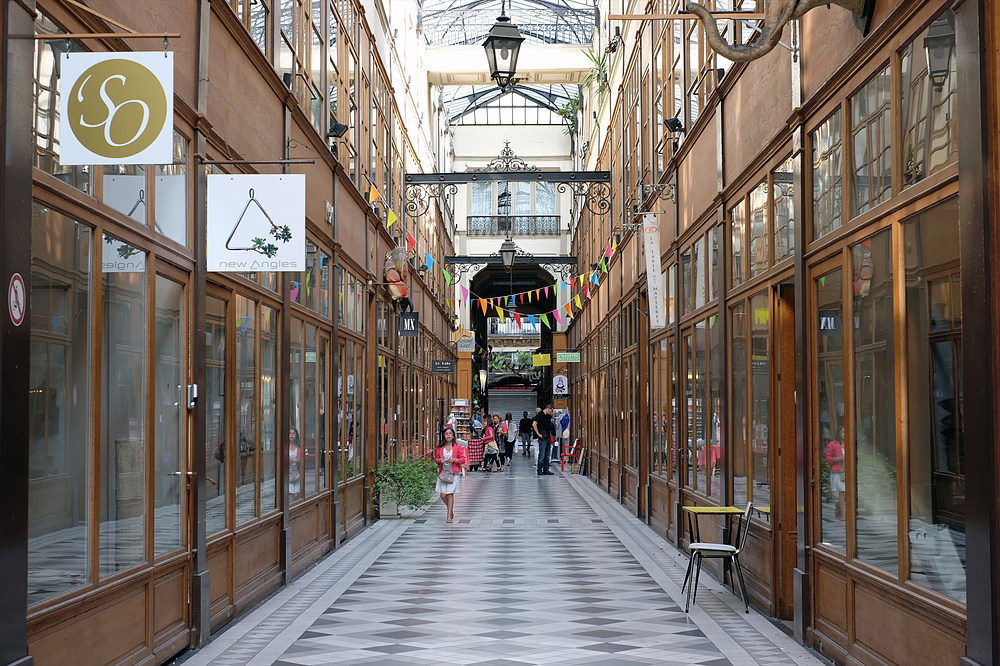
[
  {"x": 465, "y": 292},
  {"x": 581, "y": 276},
  {"x": 614, "y": 246},
  {"x": 555, "y": 313},
  {"x": 373, "y": 195},
  {"x": 430, "y": 260},
  {"x": 392, "y": 219},
  {"x": 569, "y": 310},
  {"x": 578, "y": 303},
  {"x": 586, "y": 290},
  {"x": 593, "y": 278},
  {"x": 603, "y": 267},
  {"x": 545, "y": 320},
  {"x": 516, "y": 317},
  {"x": 482, "y": 304},
  {"x": 411, "y": 242},
  {"x": 447, "y": 277},
  {"x": 529, "y": 296},
  {"x": 500, "y": 314},
  {"x": 546, "y": 292},
  {"x": 531, "y": 318},
  {"x": 609, "y": 249}
]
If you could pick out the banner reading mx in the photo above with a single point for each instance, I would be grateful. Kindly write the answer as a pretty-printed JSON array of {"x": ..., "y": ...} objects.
[{"x": 409, "y": 324}]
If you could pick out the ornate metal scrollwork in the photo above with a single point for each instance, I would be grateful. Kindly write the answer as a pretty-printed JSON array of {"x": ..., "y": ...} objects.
[
  {"x": 507, "y": 161},
  {"x": 664, "y": 191},
  {"x": 596, "y": 196},
  {"x": 418, "y": 197}
]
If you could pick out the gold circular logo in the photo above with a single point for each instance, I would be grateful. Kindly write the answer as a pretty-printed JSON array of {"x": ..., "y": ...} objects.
[{"x": 117, "y": 108}]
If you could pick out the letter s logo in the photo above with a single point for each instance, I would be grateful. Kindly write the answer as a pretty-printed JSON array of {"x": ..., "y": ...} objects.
[{"x": 117, "y": 108}]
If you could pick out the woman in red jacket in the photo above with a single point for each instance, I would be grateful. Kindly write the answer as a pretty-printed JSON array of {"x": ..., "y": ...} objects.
[{"x": 453, "y": 460}]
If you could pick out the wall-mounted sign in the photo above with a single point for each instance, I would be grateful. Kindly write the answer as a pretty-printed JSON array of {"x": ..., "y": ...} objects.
[
  {"x": 443, "y": 366},
  {"x": 567, "y": 357},
  {"x": 116, "y": 108},
  {"x": 257, "y": 222},
  {"x": 409, "y": 324},
  {"x": 541, "y": 360},
  {"x": 656, "y": 299},
  {"x": 467, "y": 345},
  {"x": 560, "y": 385},
  {"x": 17, "y": 302}
]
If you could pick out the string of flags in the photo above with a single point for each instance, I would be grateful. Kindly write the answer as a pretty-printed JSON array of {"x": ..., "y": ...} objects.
[{"x": 506, "y": 304}]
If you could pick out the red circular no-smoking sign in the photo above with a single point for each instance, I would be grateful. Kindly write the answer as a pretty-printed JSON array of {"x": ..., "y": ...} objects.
[{"x": 17, "y": 302}]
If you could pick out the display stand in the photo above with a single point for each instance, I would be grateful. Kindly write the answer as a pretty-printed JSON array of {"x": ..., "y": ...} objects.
[{"x": 462, "y": 411}]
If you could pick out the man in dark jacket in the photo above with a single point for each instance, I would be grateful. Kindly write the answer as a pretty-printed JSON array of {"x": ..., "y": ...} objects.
[
  {"x": 542, "y": 427},
  {"x": 524, "y": 430}
]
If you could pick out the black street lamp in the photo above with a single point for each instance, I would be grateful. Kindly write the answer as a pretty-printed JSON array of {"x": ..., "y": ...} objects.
[
  {"x": 503, "y": 43},
  {"x": 939, "y": 45},
  {"x": 507, "y": 251}
]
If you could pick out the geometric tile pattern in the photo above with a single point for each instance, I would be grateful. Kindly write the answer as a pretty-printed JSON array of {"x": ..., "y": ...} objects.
[{"x": 529, "y": 573}]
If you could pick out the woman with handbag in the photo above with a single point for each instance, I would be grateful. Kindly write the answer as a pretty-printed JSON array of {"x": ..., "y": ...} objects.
[
  {"x": 491, "y": 450},
  {"x": 452, "y": 459}
]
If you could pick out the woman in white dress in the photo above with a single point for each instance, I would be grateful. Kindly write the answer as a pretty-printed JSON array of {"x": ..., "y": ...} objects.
[{"x": 453, "y": 460}]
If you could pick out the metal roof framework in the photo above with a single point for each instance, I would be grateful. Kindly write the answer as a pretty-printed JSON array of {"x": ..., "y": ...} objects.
[{"x": 451, "y": 22}]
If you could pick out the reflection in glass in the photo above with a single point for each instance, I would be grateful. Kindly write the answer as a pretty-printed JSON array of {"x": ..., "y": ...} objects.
[
  {"x": 345, "y": 416},
  {"x": 356, "y": 430},
  {"x": 832, "y": 446},
  {"x": 714, "y": 262},
  {"x": 737, "y": 216},
  {"x": 59, "y": 408},
  {"x": 170, "y": 217},
  {"x": 784, "y": 211},
  {"x": 716, "y": 450},
  {"x": 875, "y": 397},
  {"x": 246, "y": 415},
  {"x": 871, "y": 124},
  {"x": 215, "y": 412},
  {"x": 760, "y": 403},
  {"x": 125, "y": 189},
  {"x": 689, "y": 351},
  {"x": 699, "y": 272},
  {"x": 827, "y": 177},
  {"x": 700, "y": 457},
  {"x": 934, "y": 394},
  {"x": 687, "y": 282},
  {"x": 123, "y": 409},
  {"x": 269, "y": 441},
  {"x": 739, "y": 402},
  {"x": 169, "y": 483},
  {"x": 295, "y": 451},
  {"x": 929, "y": 112},
  {"x": 759, "y": 260},
  {"x": 309, "y": 434}
]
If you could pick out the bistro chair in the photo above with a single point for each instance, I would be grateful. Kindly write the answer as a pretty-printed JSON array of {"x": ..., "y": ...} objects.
[
  {"x": 700, "y": 551},
  {"x": 571, "y": 453}
]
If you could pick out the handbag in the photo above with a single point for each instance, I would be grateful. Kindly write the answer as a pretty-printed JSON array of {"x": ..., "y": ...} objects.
[{"x": 447, "y": 473}]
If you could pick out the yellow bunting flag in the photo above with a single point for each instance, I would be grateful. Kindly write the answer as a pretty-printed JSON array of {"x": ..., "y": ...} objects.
[
  {"x": 392, "y": 219},
  {"x": 614, "y": 246},
  {"x": 529, "y": 296},
  {"x": 500, "y": 314},
  {"x": 578, "y": 303}
]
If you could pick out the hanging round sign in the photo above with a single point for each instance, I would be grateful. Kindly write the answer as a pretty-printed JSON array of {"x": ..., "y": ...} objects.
[{"x": 16, "y": 300}]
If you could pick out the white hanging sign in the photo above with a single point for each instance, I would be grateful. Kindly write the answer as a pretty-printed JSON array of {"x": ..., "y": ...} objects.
[
  {"x": 656, "y": 298},
  {"x": 560, "y": 385},
  {"x": 116, "y": 108},
  {"x": 256, "y": 222}
]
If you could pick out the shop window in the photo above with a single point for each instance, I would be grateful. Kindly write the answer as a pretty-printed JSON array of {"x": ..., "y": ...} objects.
[
  {"x": 698, "y": 270},
  {"x": 760, "y": 403},
  {"x": 832, "y": 445},
  {"x": 59, "y": 405},
  {"x": 47, "y": 89},
  {"x": 246, "y": 409},
  {"x": 687, "y": 282},
  {"x": 929, "y": 101},
  {"x": 714, "y": 262},
  {"x": 874, "y": 398},
  {"x": 123, "y": 408},
  {"x": 345, "y": 418},
  {"x": 691, "y": 418},
  {"x": 269, "y": 441},
  {"x": 310, "y": 423},
  {"x": 871, "y": 129},
  {"x": 215, "y": 409},
  {"x": 170, "y": 216},
  {"x": 758, "y": 227},
  {"x": 125, "y": 190},
  {"x": 171, "y": 414},
  {"x": 936, "y": 445},
  {"x": 323, "y": 270},
  {"x": 737, "y": 219},
  {"x": 297, "y": 487},
  {"x": 783, "y": 211},
  {"x": 738, "y": 425},
  {"x": 671, "y": 274},
  {"x": 715, "y": 450},
  {"x": 827, "y": 177}
]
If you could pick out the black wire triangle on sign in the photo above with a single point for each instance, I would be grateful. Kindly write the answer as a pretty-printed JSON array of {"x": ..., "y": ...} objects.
[{"x": 267, "y": 249}]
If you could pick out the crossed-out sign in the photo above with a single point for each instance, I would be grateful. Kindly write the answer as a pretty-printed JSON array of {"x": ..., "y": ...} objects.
[{"x": 17, "y": 302}]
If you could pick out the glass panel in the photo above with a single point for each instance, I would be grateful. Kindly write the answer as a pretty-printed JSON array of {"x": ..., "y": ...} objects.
[
  {"x": 737, "y": 216},
  {"x": 215, "y": 409},
  {"x": 323, "y": 423},
  {"x": 311, "y": 278},
  {"x": 675, "y": 450},
  {"x": 124, "y": 190},
  {"x": 545, "y": 199},
  {"x": 258, "y": 24},
  {"x": 246, "y": 415},
  {"x": 269, "y": 444},
  {"x": 346, "y": 385},
  {"x": 716, "y": 449},
  {"x": 827, "y": 177},
  {"x": 758, "y": 230},
  {"x": 875, "y": 401},
  {"x": 760, "y": 400},
  {"x": 700, "y": 453},
  {"x": 324, "y": 283},
  {"x": 691, "y": 418},
  {"x": 59, "y": 411},
  {"x": 935, "y": 437},
  {"x": 169, "y": 479},
  {"x": 522, "y": 198},
  {"x": 123, "y": 408},
  {"x": 170, "y": 217},
  {"x": 784, "y": 211},
  {"x": 671, "y": 282},
  {"x": 699, "y": 272},
  {"x": 739, "y": 404},
  {"x": 871, "y": 124},
  {"x": 355, "y": 429},
  {"x": 481, "y": 198},
  {"x": 687, "y": 282},
  {"x": 309, "y": 435},
  {"x": 714, "y": 262},
  {"x": 929, "y": 101},
  {"x": 830, "y": 428},
  {"x": 46, "y": 99},
  {"x": 295, "y": 451}
]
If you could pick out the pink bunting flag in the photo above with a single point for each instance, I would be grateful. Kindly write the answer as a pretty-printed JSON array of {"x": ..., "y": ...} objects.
[
  {"x": 555, "y": 313},
  {"x": 609, "y": 249},
  {"x": 546, "y": 292},
  {"x": 465, "y": 292}
]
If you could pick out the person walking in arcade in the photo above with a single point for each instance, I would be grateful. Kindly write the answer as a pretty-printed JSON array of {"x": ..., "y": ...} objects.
[{"x": 453, "y": 460}]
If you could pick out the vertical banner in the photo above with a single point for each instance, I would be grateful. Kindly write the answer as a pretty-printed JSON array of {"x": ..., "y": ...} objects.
[
  {"x": 654, "y": 287},
  {"x": 256, "y": 222},
  {"x": 117, "y": 108}
]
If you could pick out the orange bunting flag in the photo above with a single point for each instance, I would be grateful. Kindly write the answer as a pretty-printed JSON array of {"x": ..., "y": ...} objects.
[
  {"x": 482, "y": 304},
  {"x": 578, "y": 303},
  {"x": 569, "y": 310},
  {"x": 373, "y": 195},
  {"x": 538, "y": 293}
]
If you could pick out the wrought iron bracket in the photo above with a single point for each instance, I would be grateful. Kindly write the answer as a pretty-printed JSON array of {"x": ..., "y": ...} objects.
[
  {"x": 417, "y": 198},
  {"x": 663, "y": 191}
]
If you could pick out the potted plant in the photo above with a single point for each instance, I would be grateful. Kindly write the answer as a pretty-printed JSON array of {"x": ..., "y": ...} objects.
[
  {"x": 599, "y": 72},
  {"x": 407, "y": 483}
]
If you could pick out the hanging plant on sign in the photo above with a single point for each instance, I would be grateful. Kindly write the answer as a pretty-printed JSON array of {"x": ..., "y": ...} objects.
[{"x": 281, "y": 233}]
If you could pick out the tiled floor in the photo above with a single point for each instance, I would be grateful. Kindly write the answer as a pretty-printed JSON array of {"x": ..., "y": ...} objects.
[{"x": 535, "y": 570}]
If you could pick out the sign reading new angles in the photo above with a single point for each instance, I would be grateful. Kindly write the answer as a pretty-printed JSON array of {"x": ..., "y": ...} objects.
[
  {"x": 117, "y": 108},
  {"x": 256, "y": 222}
]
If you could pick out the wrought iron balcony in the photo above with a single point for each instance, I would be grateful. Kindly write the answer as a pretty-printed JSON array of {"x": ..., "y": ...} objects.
[
  {"x": 509, "y": 328},
  {"x": 515, "y": 225}
]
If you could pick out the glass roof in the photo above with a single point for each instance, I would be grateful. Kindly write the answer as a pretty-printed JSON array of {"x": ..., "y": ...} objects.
[
  {"x": 526, "y": 105},
  {"x": 452, "y": 22}
]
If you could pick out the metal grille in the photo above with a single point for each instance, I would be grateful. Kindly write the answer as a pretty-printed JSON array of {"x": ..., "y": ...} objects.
[{"x": 515, "y": 225}]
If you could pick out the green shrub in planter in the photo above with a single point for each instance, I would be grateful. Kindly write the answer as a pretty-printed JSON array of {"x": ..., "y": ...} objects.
[{"x": 407, "y": 483}]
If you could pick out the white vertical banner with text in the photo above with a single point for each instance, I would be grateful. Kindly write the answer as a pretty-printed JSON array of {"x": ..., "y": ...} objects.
[
  {"x": 656, "y": 300},
  {"x": 256, "y": 222}
]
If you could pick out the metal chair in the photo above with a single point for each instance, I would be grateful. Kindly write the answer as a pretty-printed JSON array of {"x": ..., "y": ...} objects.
[{"x": 700, "y": 551}]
